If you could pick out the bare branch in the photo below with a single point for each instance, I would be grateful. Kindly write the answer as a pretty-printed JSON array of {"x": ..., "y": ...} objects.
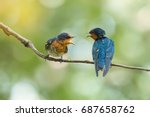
[{"x": 27, "y": 43}]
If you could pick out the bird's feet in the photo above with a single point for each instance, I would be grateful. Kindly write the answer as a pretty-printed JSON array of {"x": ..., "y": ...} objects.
[{"x": 61, "y": 59}]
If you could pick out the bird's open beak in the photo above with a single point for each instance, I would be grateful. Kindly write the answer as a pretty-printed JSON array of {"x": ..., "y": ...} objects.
[{"x": 71, "y": 42}]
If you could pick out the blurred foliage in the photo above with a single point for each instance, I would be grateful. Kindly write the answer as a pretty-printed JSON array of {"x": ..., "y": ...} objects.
[{"x": 23, "y": 75}]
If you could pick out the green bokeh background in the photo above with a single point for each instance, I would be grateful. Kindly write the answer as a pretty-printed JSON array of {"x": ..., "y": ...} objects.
[{"x": 23, "y": 75}]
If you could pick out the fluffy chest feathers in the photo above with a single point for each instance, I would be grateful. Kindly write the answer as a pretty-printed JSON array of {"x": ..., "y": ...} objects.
[{"x": 57, "y": 49}]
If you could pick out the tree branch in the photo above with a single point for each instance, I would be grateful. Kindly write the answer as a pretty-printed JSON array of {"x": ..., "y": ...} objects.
[{"x": 27, "y": 43}]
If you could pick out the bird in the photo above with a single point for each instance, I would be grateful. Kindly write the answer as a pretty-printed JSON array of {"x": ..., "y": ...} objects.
[
  {"x": 57, "y": 46},
  {"x": 102, "y": 50}
]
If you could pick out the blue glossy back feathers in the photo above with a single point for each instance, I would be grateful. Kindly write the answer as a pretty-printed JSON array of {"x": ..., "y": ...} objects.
[{"x": 102, "y": 51}]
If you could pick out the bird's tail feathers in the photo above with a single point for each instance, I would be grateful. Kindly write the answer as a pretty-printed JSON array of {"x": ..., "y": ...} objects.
[
  {"x": 105, "y": 72},
  {"x": 101, "y": 76},
  {"x": 98, "y": 69},
  {"x": 96, "y": 73}
]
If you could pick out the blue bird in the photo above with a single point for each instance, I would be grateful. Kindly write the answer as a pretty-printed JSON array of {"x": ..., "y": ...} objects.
[
  {"x": 57, "y": 46},
  {"x": 102, "y": 51}
]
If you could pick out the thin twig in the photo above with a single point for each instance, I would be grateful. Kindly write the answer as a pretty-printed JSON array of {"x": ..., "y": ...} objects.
[{"x": 27, "y": 43}]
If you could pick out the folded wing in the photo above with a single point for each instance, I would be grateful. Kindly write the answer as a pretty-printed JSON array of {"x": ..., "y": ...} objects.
[{"x": 109, "y": 56}]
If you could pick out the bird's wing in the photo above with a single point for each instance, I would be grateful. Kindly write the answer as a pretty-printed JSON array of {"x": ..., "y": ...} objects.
[
  {"x": 48, "y": 43},
  {"x": 109, "y": 56},
  {"x": 95, "y": 58}
]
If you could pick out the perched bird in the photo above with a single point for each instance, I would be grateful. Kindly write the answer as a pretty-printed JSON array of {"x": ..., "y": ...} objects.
[
  {"x": 102, "y": 51},
  {"x": 57, "y": 46}
]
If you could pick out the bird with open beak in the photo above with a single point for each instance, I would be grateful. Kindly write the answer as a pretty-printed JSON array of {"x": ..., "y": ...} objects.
[
  {"x": 102, "y": 51},
  {"x": 57, "y": 46}
]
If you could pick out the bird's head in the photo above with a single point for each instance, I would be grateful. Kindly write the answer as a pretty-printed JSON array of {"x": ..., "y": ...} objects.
[
  {"x": 96, "y": 33},
  {"x": 65, "y": 38}
]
